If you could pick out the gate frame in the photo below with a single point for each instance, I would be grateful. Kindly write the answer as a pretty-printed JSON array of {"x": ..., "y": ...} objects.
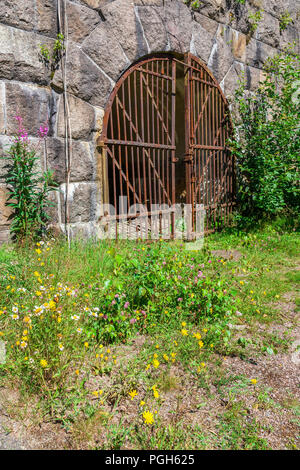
[{"x": 101, "y": 142}]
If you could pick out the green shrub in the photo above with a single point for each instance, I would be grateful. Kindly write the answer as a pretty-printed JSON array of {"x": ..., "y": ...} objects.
[{"x": 266, "y": 143}]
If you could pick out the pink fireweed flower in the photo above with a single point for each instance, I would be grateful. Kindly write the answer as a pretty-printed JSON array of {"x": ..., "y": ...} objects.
[
  {"x": 43, "y": 131},
  {"x": 22, "y": 134}
]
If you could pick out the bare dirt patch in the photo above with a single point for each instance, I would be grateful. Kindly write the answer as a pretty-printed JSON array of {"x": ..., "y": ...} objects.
[
  {"x": 22, "y": 426},
  {"x": 275, "y": 400}
]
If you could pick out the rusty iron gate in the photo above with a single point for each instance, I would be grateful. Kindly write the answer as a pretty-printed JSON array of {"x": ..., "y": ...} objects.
[{"x": 139, "y": 144}]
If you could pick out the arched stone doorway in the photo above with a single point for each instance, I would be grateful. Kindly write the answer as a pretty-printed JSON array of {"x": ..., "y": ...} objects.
[{"x": 164, "y": 141}]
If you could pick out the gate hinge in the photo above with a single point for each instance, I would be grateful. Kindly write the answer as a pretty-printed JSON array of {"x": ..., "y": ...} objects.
[{"x": 101, "y": 143}]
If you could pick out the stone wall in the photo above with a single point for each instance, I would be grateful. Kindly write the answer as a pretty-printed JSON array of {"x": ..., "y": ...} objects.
[{"x": 105, "y": 38}]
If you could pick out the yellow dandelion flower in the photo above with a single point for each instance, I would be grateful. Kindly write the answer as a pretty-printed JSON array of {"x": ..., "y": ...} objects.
[
  {"x": 43, "y": 363},
  {"x": 52, "y": 305},
  {"x": 133, "y": 394},
  {"x": 148, "y": 417}
]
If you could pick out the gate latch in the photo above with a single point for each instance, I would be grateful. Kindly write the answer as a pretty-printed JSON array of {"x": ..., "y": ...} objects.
[{"x": 188, "y": 157}]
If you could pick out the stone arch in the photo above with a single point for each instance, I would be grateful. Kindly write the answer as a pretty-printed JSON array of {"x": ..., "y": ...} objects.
[
  {"x": 132, "y": 30},
  {"x": 128, "y": 32}
]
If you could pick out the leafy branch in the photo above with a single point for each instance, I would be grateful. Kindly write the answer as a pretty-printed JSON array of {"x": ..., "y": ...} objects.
[
  {"x": 284, "y": 21},
  {"x": 51, "y": 59}
]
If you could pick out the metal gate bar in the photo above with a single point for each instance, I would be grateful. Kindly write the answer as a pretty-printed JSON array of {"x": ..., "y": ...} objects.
[{"x": 209, "y": 171}]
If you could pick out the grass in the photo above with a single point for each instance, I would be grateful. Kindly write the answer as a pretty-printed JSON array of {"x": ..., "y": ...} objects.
[{"x": 195, "y": 334}]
